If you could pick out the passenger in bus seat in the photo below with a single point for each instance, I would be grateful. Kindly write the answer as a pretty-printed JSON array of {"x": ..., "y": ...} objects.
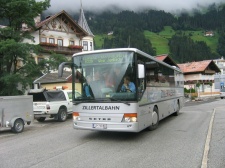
[
  {"x": 86, "y": 88},
  {"x": 128, "y": 86},
  {"x": 109, "y": 78},
  {"x": 98, "y": 83}
]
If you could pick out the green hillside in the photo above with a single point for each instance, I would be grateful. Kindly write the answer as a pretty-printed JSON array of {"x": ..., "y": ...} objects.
[
  {"x": 160, "y": 40},
  {"x": 212, "y": 42},
  {"x": 99, "y": 40}
]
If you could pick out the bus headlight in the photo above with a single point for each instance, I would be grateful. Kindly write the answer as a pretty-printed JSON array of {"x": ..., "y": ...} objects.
[
  {"x": 130, "y": 117},
  {"x": 133, "y": 119},
  {"x": 76, "y": 116}
]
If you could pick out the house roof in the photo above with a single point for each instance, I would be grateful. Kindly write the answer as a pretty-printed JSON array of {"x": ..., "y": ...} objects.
[
  {"x": 165, "y": 58},
  {"x": 160, "y": 57},
  {"x": 68, "y": 17},
  {"x": 197, "y": 67},
  {"x": 53, "y": 78}
]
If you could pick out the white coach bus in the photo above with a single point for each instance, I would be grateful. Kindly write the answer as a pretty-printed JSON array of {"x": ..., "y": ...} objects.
[{"x": 157, "y": 90}]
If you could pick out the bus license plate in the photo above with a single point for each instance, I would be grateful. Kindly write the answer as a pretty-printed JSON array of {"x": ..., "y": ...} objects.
[{"x": 101, "y": 126}]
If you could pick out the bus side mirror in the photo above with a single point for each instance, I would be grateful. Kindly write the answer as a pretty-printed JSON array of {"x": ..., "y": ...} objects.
[
  {"x": 141, "y": 71},
  {"x": 61, "y": 67}
]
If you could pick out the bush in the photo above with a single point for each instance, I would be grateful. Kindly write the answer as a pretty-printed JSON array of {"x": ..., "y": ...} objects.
[{"x": 189, "y": 91}]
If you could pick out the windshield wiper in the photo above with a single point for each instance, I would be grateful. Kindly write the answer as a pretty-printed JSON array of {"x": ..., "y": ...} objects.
[
  {"x": 120, "y": 101},
  {"x": 85, "y": 100}
]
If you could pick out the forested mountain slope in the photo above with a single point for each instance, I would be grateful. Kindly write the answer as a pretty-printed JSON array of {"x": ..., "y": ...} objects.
[{"x": 158, "y": 32}]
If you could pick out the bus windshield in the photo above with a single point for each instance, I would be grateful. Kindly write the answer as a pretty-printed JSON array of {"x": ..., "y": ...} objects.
[{"x": 100, "y": 76}]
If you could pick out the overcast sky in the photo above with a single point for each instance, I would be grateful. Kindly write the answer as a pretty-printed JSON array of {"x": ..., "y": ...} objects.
[{"x": 134, "y": 5}]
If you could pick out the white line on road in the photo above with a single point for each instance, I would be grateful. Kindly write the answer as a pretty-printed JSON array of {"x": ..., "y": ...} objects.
[{"x": 208, "y": 138}]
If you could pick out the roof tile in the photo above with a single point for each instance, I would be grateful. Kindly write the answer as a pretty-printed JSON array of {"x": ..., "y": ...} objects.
[{"x": 194, "y": 66}]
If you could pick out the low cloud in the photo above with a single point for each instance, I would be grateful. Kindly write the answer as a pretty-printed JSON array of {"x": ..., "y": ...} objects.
[{"x": 134, "y": 5}]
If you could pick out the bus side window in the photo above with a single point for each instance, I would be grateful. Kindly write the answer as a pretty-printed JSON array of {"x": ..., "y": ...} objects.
[{"x": 152, "y": 78}]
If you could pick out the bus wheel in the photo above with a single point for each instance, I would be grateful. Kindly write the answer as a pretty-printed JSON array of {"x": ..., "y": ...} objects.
[
  {"x": 155, "y": 119},
  {"x": 178, "y": 109}
]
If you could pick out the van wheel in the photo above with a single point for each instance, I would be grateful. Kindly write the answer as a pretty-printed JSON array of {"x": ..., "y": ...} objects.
[
  {"x": 18, "y": 126},
  {"x": 40, "y": 119},
  {"x": 155, "y": 119},
  {"x": 178, "y": 109},
  {"x": 62, "y": 115}
]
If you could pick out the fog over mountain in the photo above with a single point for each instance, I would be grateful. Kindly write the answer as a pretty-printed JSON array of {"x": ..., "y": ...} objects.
[{"x": 134, "y": 5}]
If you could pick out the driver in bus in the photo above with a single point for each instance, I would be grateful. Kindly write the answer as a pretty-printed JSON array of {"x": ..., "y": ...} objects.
[{"x": 128, "y": 86}]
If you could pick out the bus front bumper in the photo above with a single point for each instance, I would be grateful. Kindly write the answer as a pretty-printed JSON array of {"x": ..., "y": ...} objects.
[{"x": 102, "y": 126}]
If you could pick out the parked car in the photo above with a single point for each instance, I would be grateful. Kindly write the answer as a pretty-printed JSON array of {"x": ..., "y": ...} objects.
[
  {"x": 52, "y": 103},
  {"x": 222, "y": 93}
]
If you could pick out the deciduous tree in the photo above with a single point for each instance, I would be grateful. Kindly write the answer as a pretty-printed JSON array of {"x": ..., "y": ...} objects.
[{"x": 17, "y": 66}]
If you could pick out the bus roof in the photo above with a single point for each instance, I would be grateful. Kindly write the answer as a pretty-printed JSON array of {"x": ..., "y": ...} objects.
[
  {"x": 106, "y": 50},
  {"x": 127, "y": 49}
]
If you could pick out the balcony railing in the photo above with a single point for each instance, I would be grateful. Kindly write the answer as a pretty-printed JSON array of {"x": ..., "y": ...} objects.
[{"x": 61, "y": 49}]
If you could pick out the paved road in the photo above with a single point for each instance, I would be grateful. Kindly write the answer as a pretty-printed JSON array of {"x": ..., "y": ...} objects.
[
  {"x": 178, "y": 142},
  {"x": 217, "y": 146}
]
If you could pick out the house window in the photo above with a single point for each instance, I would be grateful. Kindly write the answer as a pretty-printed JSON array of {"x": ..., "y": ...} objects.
[
  {"x": 43, "y": 40},
  {"x": 71, "y": 42},
  {"x": 60, "y": 42},
  {"x": 52, "y": 40},
  {"x": 91, "y": 47},
  {"x": 85, "y": 45}
]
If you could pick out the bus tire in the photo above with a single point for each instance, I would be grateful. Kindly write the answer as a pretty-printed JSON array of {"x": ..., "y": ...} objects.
[
  {"x": 40, "y": 119},
  {"x": 18, "y": 126},
  {"x": 155, "y": 118},
  {"x": 178, "y": 109},
  {"x": 62, "y": 115}
]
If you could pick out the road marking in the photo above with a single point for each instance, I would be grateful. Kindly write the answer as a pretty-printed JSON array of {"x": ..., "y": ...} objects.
[{"x": 208, "y": 138}]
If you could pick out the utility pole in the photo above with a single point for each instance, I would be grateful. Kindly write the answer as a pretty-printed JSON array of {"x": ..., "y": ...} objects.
[{"x": 129, "y": 42}]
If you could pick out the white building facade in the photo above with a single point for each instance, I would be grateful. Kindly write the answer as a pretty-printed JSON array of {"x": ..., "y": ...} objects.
[{"x": 60, "y": 34}]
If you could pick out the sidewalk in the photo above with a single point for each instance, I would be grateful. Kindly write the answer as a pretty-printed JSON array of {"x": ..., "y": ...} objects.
[
  {"x": 212, "y": 96},
  {"x": 217, "y": 143},
  {"x": 204, "y": 97}
]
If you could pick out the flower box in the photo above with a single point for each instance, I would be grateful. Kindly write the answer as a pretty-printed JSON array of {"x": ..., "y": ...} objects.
[
  {"x": 48, "y": 44},
  {"x": 75, "y": 47}
]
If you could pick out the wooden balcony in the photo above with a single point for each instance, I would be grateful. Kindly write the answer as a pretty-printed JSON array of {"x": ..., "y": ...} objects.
[{"x": 60, "y": 50}]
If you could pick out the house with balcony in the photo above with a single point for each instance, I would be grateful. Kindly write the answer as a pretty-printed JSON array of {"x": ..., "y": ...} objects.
[
  {"x": 201, "y": 72},
  {"x": 61, "y": 34}
]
